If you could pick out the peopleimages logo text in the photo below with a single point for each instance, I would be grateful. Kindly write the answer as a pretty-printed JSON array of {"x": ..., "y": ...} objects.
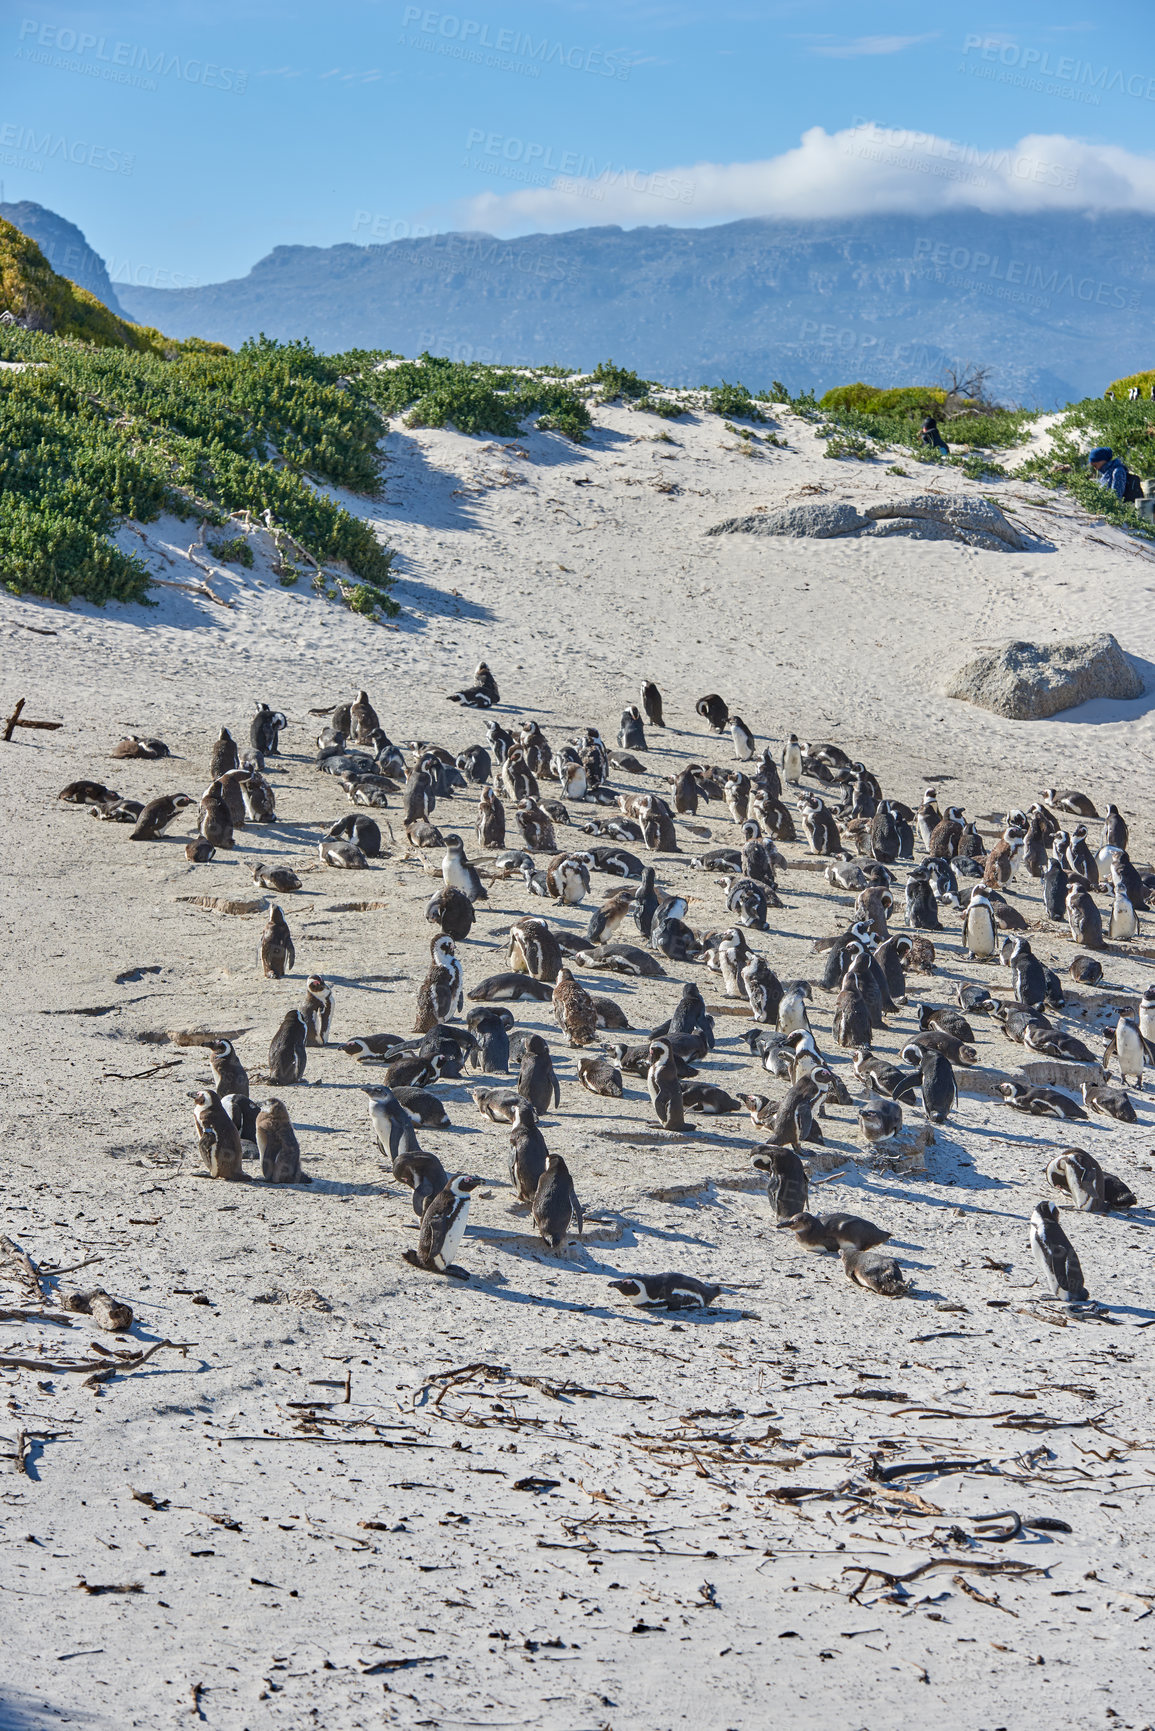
[
  {"x": 475, "y": 34},
  {"x": 103, "y": 57},
  {"x": 1043, "y": 279},
  {"x": 1037, "y": 63}
]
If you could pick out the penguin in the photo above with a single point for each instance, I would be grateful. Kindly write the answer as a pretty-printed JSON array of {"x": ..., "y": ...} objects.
[
  {"x": 157, "y": 815},
  {"x": 891, "y": 958},
  {"x": 214, "y": 823},
  {"x": 534, "y": 950},
  {"x": 341, "y": 855},
  {"x": 528, "y": 1153},
  {"x": 764, "y": 990},
  {"x": 287, "y": 1051},
  {"x": 536, "y": 1080},
  {"x": 664, "y": 1088},
  {"x": 939, "y": 1090},
  {"x": 652, "y": 703},
  {"x": 265, "y": 730},
  {"x": 947, "y": 834},
  {"x": 244, "y": 1113},
  {"x": 452, "y": 913},
  {"x": 258, "y": 801},
  {"x": 792, "y": 761},
  {"x": 1053, "y": 1043},
  {"x": 970, "y": 846},
  {"x": 886, "y": 1079},
  {"x": 395, "y": 1133},
  {"x": 1124, "y": 923},
  {"x": 1070, "y": 800},
  {"x": 792, "y": 1010},
  {"x": 711, "y": 1102},
  {"x": 1080, "y": 1176},
  {"x": 878, "y": 1120},
  {"x": 277, "y": 952},
  {"x": 852, "y": 1023},
  {"x": 232, "y": 786},
  {"x": 1081, "y": 860},
  {"x": 1128, "y": 1047},
  {"x": 1055, "y": 1255},
  {"x": 1040, "y": 1102},
  {"x": 224, "y": 755},
  {"x": 787, "y": 1186},
  {"x": 443, "y": 1228},
  {"x": 1055, "y": 884},
  {"x": 1087, "y": 970},
  {"x": 229, "y": 1074},
  {"x": 733, "y": 953},
  {"x": 457, "y": 872},
  {"x": 363, "y": 719},
  {"x": 921, "y": 906},
  {"x": 482, "y": 693},
  {"x": 874, "y": 1271},
  {"x": 278, "y": 1146},
  {"x": 714, "y": 710},
  {"x": 631, "y": 732},
  {"x": 510, "y": 988},
  {"x": 217, "y": 1137},
  {"x": 742, "y": 739},
  {"x": 567, "y": 879},
  {"x": 948, "y": 1020},
  {"x": 360, "y": 830},
  {"x": 573, "y": 1009},
  {"x": 1003, "y": 859},
  {"x": 536, "y": 826},
  {"x": 884, "y": 838},
  {"x": 1084, "y": 919},
  {"x": 424, "y": 1108},
  {"x": 979, "y": 926},
  {"x": 89, "y": 793},
  {"x": 831, "y": 1231},
  {"x": 490, "y": 821},
  {"x": 600, "y": 1076},
  {"x": 666, "y": 1292},
  {"x": 1111, "y": 1102},
  {"x": 976, "y": 999},
  {"x": 317, "y": 1010},
  {"x": 821, "y": 829},
  {"x": 441, "y": 995},
  {"x": 1115, "y": 833},
  {"x": 555, "y": 1207}
]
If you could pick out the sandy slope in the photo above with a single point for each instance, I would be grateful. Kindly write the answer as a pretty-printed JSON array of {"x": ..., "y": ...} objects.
[{"x": 619, "y": 1558}]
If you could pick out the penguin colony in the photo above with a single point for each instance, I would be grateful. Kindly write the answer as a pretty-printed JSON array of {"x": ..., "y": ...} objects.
[{"x": 926, "y": 884}]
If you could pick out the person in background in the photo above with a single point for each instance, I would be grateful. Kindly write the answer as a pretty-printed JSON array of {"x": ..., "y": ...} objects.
[
  {"x": 1112, "y": 473},
  {"x": 929, "y": 434}
]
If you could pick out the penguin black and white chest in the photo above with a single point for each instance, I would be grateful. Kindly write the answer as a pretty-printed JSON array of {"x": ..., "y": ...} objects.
[
  {"x": 443, "y": 1224},
  {"x": 218, "y": 1137},
  {"x": 158, "y": 814},
  {"x": 664, "y": 1088},
  {"x": 787, "y": 1186},
  {"x": 459, "y": 874},
  {"x": 979, "y": 925},
  {"x": 229, "y": 1074},
  {"x": 441, "y": 995},
  {"x": 318, "y": 1009},
  {"x": 265, "y": 730},
  {"x": 792, "y": 761},
  {"x": 743, "y": 739},
  {"x": 1055, "y": 1255},
  {"x": 666, "y": 1291}
]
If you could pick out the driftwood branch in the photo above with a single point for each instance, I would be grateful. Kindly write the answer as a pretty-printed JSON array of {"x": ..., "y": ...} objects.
[{"x": 16, "y": 720}]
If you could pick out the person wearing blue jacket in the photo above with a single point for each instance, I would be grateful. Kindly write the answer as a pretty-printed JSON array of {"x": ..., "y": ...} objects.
[{"x": 1110, "y": 470}]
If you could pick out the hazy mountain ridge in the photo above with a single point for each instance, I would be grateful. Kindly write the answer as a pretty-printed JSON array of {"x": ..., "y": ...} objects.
[{"x": 1056, "y": 305}]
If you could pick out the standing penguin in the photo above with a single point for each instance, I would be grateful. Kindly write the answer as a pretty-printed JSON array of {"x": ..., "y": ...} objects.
[
  {"x": 979, "y": 926},
  {"x": 265, "y": 730},
  {"x": 217, "y": 1137},
  {"x": 788, "y": 1187},
  {"x": 792, "y": 761},
  {"x": 1124, "y": 920},
  {"x": 278, "y": 1146},
  {"x": 1055, "y": 883},
  {"x": 528, "y": 1153},
  {"x": 921, "y": 905},
  {"x": 443, "y": 1228},
  {"x": 363, "y": 719},
  {"x": 229, "y": 1074},
  {"x": 277, "y": 952},
  {"x": 459, "y": 874},
  {"x": 574, "y": 1010},
  {"x": 1055, "y": 1256},
  {"x": 742, "y": 738},
  {"x": 631, "y": 732},
  {"x": 665, "y": 1090},
  {"x": 442, "y": 993},
  {"x": 490, "y": 821},
  {"x": 1084, "y": 918},
  {"x": 644, "y": 903},
  {"x": 1030, "y": 976},
  {"x": 939, "y": 1090},
  {"x": 555, "y": 1207},
  {"x": 224, "y": 755},
  {"x": 288, "y": 1051},
  {"x": 536, "y": 1078},
  {"x": 1129, "y": 1049},
  {"x": 652, "y": 704},
  {"x": 318, "y": 1009},
  {"x": 214, "y": 823}
]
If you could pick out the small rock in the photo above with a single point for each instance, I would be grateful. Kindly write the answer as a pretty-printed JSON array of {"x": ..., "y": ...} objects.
[{"x": 1030, "y": 681}]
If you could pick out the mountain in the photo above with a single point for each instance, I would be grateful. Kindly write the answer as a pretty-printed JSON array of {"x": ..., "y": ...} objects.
[
  {"x": 65, "y": 248},
  {"x": 1055, "y": 305}
]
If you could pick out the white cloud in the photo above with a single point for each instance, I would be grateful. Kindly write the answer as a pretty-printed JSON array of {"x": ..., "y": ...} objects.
[
  {"x": 862, "y": 170},
  {"x": 870, "y": 45}
]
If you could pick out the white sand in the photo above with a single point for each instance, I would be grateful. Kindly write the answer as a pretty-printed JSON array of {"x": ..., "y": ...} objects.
[{"x": 661, "y": 1582}]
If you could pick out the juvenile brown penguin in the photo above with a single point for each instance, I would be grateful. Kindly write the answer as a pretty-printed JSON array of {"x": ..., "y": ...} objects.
[
  {"x": 213, "y": 820},
  {"x": 281, "y": 879},
  {"x": 874, "y": 1271},
  {"x": 278, "y": 1146},
  {"x": 490, "y": 820},
  {"x": 229, "y": 1074},
  {"x": 832, "y": 1231},
  {"x": 224, "y": 755},
  {"x": 573, "y": 1009},
  {"x": 277, "y": 952}
]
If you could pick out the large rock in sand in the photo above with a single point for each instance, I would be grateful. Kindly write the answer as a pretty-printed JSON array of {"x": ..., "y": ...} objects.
[
  {"x": 923, "y": 517},
  {"x": 1029, "y": 681}
]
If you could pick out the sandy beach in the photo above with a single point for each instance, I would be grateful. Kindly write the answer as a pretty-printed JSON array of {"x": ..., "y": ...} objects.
[{"x": 642, "y": 1521}]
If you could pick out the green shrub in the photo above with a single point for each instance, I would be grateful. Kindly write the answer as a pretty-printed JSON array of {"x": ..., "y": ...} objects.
[
  {"x": 90, "y": 435},
  {"x": 733, "y": 402},
  {"x": 661, "y": 406},
  {"x": 434, "y": 391},
  {"x": 1145, "y": 382},
  {"x": 614, "y": 382},
  {"x": 234, "y": 552}
]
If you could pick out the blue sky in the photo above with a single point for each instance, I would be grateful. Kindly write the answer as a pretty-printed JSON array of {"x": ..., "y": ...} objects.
[{"x": 188, "y": 140}]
